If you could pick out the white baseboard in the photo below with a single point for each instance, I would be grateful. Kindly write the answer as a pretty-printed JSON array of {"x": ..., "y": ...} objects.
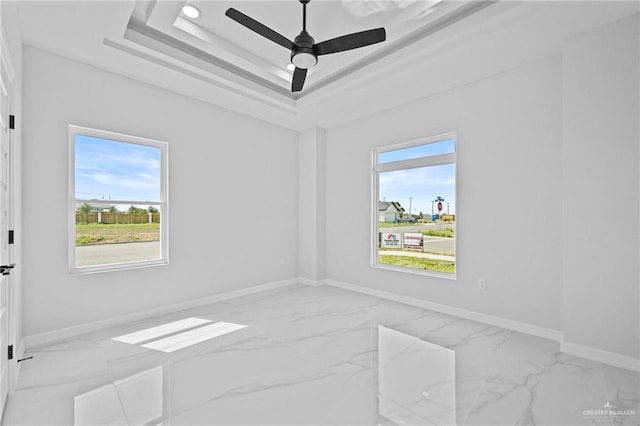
[
  {"x": 600, "y": 355},
  {"x": 522, "y": 327},
  {"x": 587, "y": 352},
  {"x": 311, "y": 282},
  {"x": 78, "y": 330}
]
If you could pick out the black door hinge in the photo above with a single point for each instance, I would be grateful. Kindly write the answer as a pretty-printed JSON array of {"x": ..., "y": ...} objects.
[
  {"x": 10, "y": 352},
  {"x": 6, "y": 269},
  {"x": 12, "y": 121},
  {"x": 11, "y": 236}
]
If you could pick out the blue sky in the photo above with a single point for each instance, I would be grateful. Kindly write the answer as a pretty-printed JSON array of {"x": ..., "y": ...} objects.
[
  {"x": 423, "y": 184},
  {"x": 107, "y": 169},
  {"x": 110, "y": 170}
]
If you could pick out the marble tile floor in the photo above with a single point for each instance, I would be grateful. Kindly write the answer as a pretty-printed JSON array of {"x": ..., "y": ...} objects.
[{"x": 303, "y": 355}]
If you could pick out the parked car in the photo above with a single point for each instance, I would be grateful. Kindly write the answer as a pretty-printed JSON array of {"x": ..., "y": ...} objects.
[{"x": 407, "y": 219}]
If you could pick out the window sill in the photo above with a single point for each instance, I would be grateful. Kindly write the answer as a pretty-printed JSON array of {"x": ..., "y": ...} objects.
[
  {"x": 116, "y": 267},
  {"x": 423, "y": 272}
]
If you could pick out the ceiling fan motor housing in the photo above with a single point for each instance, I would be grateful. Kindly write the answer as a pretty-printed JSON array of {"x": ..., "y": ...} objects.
[{"x": 302, "y": 54}]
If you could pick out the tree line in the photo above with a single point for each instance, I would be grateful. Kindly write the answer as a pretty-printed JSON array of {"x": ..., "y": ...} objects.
[{"x": 88, "y": 208}]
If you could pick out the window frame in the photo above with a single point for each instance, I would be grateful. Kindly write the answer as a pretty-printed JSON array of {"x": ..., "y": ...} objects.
[
  {"x": 163, "y": 203},
  {"x": 432, "y": 160}
]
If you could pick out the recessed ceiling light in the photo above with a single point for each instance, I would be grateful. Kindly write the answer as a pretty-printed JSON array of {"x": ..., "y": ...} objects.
[
  {"x": 191, "y": 11},
  {"x": 291, "y": 67}
]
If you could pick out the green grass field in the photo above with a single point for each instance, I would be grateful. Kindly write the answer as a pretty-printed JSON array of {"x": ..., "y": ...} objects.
[
  {"x": 444, "y": 232},
  {"x": 419, "y": 263},
  {"x": 97, "y": 233}
]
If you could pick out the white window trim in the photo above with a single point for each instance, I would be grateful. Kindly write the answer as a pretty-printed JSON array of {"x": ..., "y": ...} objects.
[
  {"x": 163, "y": 203},
  {"x": 376, "y": 169}
]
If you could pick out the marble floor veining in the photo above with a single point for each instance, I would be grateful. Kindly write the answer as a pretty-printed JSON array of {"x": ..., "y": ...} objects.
[{"x": 303, "y": 355}]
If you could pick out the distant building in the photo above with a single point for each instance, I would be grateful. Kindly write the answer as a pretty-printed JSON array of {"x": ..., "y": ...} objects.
[
  {"x": 97, "y": 207},
  {"x": 389, "y": 211}
]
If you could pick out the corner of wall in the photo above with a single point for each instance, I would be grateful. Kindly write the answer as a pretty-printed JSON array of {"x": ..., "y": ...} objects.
[{"x": 311, "y": 208}]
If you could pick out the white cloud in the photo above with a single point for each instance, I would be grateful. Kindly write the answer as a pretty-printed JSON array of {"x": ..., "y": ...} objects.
[{"x": 143, "y": 181}]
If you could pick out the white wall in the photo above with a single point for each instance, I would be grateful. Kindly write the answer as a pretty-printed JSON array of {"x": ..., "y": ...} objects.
[
  {"x": 311, "y": 210},
  {"x": 239, "y": 171},
  {"x": 551, "y": 142},
  {"x": 509, "y": 153},
  {"x": 600, "y": 168}
]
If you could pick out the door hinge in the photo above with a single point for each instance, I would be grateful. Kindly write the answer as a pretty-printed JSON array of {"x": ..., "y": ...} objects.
[
  {"x": 12, "y": 121},
  {"x": 10, "y": 352},
  {"x": 11, "y": 236},
  {"x": 6, "y": 269}
]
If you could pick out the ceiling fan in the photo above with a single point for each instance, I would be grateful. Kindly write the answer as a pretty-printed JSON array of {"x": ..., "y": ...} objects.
[{"x": 304, "y": 49}]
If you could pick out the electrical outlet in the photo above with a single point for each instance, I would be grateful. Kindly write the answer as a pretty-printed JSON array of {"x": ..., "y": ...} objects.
[{"x": 482, "y": 284}]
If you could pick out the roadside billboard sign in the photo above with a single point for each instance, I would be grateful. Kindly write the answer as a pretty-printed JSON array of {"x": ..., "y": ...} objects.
[
  {"x": 413, "y": 240},
  {"x": 391, "y": 240}
]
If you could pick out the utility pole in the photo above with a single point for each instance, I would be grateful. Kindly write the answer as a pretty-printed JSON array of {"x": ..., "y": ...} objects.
[{"x": 410, "y": 198}]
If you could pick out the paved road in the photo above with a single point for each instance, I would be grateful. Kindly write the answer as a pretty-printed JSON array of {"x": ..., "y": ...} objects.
[
  {"x": 103, "y": 254},
  {"x": 439, "y": 245}
]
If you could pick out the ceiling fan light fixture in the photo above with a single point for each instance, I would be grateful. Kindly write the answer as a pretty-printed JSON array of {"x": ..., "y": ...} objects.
[
  {"x": 304, "y": 49},
  {"x": 302, "y": 54},
  {"x": 191, "y": 11},
  {"x": 304, "y": 60}
]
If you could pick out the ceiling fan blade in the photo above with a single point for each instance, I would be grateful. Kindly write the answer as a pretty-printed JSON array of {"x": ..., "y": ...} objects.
[
  {"x": 259, "y": 28},
  {"x": 299, "y": 76},
  {"x": 350, "y": 41}
]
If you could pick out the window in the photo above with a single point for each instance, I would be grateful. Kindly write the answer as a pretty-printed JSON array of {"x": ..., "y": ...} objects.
[
  {"x": 118, "y": 207},
  {"x": 414, "y": 193}
]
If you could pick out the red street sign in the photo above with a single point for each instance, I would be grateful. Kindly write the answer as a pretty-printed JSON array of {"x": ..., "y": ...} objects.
[{"x": 439, "y": 206}]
